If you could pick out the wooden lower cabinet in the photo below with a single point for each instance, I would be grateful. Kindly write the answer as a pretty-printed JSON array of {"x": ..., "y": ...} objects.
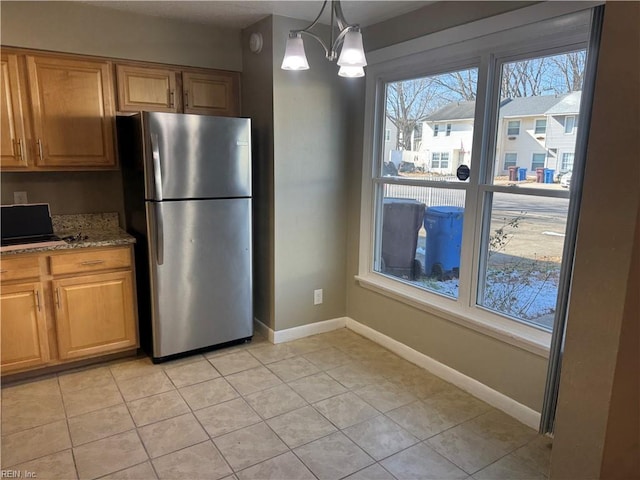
[
  {"x": 24, "y": 329},
  {"x": 94, "y": 314},
  {"x": 63, "y": 306}
]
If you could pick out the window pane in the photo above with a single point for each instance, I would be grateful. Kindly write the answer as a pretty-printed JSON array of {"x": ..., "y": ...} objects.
[
  {"x": 421, "y": 236},
  {"x": 541, "y": 127},
  {"x": 537, "y": 161},
  {"x": 427, "y": 116},
  {"x": 513, "y": 128},
  {"x": 510, "y": 160},
  {"x": 540, "y": 102},
  {"x": 523, "y": 253}
]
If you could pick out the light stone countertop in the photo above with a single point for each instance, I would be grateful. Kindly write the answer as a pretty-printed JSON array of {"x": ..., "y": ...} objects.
[{"x": 101, "y": 230}]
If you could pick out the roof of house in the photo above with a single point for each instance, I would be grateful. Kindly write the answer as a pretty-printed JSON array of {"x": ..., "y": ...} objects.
[
  {"x": 569, "y": 103},
  {"x": 454, "y": 111},
  {"x": 540, "y": 105}
]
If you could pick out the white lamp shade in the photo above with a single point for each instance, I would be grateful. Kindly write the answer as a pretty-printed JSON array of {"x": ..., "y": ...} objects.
[
  {"x": 294, "y": 56},
  {"x": 352, "y": 54},
  {"x": 351, "y": 72}
]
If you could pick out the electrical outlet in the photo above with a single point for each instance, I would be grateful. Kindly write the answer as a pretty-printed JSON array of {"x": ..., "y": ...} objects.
[
  {"x": 317, "y": 297},
  {"x": 20, "y": 198}
]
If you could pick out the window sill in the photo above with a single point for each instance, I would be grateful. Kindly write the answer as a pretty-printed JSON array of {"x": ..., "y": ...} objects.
[{"x": 508, "y": 331}]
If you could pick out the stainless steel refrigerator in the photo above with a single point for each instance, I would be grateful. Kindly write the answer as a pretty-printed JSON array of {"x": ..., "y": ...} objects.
[{"x": 187, "y": 183}]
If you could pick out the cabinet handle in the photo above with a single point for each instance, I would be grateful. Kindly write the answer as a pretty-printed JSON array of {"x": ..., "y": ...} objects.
[
  {"x": 58, "y": 297},
  {"x": 40, "y": 150},
  {"x": 170, "y": 93},
  {"x": 92, "y": 262},
  {"x": 4, "y": 271},
  {"x": 18, "y": 145},
  {"x": 186, "y": 98},
  {"x": 37, "y": 299}
]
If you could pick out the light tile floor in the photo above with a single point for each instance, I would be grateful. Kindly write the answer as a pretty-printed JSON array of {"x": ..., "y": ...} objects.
[{"x": 329, "y": 406}]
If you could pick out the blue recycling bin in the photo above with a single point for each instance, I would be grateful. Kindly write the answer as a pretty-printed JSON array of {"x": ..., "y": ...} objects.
[
  {"x": 548, "y": 175},
  {"x": 444, "y": 241},
  {"x": 522, "y": 174}
]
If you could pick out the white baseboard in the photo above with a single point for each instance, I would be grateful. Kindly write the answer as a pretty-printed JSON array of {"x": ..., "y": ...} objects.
[
  {"x": 494, "y": 398},
  {"x": 262, "y": 329},
  {"x": 281, "y": 336},
  {"x": 295, "y": 333}
]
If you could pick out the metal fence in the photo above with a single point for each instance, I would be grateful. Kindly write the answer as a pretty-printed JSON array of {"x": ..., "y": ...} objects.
[{"x": 430, "y": 196}]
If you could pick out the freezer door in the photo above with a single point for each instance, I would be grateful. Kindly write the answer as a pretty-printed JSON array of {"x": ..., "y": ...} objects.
[
  {"x": 201, "y": 273},
  {"x": 196, "y": 156}
]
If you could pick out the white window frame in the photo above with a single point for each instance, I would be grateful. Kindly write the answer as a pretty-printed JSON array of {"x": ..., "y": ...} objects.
[
  {"x": 436, "y": 128},
  {"x": 519, "y": 35},
  {"x": 570, "y": 131},
  {"x": 448, "y": 133},
  {"x": 535, "y": 126},
  {"x": 516, "y": 127}
]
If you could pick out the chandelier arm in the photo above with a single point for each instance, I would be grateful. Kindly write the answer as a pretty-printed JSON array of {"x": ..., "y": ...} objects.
[
  {"x": 312, "y": 24},
  {"x": 340, "y": 37},
  {"x": 342, "y": 23},
  {"x": 327, "y": 53}
]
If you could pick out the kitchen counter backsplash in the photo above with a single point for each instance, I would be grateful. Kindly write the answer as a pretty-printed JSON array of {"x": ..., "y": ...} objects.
[{"x": 85, "y": 221}]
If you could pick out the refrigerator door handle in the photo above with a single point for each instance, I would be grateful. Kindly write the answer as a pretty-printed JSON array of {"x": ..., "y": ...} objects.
[
  {"x": 157, "y": 166},
  {"x": 159, "y": 234}
]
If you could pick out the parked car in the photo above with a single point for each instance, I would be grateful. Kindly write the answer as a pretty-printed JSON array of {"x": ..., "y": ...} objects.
[{"x": 565, "y": 180}]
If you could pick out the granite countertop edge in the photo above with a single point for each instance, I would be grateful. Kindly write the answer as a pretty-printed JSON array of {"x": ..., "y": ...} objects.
[{"x": 96, "y": 238}]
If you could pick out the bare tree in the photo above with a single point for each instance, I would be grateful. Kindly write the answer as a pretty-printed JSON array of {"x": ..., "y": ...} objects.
[
  {"x": 408, "y": 104},
  {"x": 458, "y": 86},
  {"x": 524, "y": 78},
  {"x": 570, "y": 67}
]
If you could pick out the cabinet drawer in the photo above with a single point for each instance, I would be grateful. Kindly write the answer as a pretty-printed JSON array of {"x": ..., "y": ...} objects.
[
  {"x": 90, "y": 261},
  {"x": 16, "y": 268}
]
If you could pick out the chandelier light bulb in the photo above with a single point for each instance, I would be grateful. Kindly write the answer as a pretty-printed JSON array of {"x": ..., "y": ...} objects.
[
  {"x": 351, "y": 72},
  {"x": 352, "y": 54},
  {"x": 294, "y": 56}
]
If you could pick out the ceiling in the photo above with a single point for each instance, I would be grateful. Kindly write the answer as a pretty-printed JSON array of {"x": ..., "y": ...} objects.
[{"x": 242, "y": 13}]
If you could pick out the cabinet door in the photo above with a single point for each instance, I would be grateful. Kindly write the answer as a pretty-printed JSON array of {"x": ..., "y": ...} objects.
[
  {"x": 94, "y": 314},
  {"x": 212, "y": 94},
  {"x": 24, "y": 331},
  {"x": 73, "y": 112},
  {"x": 146, "y": 89},
  {"x": 13, "y": 129}
]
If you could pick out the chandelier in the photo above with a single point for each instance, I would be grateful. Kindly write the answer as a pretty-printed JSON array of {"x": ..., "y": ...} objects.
[{"x": 351, "y": 60}]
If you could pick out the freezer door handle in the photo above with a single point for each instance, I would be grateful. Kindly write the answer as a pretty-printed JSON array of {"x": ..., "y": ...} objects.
[{"x": 157, "y": 166}]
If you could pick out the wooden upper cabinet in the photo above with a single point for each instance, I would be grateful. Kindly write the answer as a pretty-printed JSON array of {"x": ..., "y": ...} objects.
[
  {"x": 13, "y": 129},
  {"x": 211, "y": 93},
  {"x": 73, "y": 112},
  {"x": 147, "y": 89}
]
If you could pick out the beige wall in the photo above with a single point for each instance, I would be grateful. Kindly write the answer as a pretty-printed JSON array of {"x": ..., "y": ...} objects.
[
  {"x": 257, "y": 95},
  {"x": 309, "y": 184},
  {"x": 300, "y": 143},
  {"x": 75, "y": 27},
  {"x": 597, "y": 428}
]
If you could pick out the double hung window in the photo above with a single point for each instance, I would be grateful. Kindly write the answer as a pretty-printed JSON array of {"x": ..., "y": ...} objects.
[{"x": 458, "y": 238}]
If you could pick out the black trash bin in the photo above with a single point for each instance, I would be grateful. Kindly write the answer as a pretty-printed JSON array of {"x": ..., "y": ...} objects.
[{"x": 402, "y": 219}]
